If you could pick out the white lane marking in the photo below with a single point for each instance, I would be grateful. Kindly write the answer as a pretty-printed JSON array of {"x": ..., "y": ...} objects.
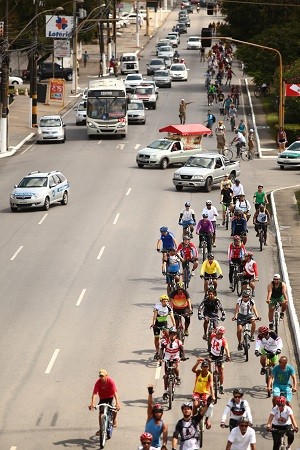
[
  {"x": 16, "y": 254},
  {"x": 99, "y": 142},
  {"x": 157, "y": 371},
  {"x": 128, "y": 192},
  {"x": 137, "y": 146},
  {"x": 52, "y": 360},
  {"x": 116, "y": 219},
  {"x": 80, "y": 297},
  {"x": 101, "y": 252},
  {"x": 42, "y": 219},
  {"x": 13, "y": 448},
  {"x": 120, "y": 146},
  {"x": 30, "y": 147}
]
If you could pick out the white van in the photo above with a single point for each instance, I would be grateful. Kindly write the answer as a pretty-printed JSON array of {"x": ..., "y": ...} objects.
[{"x": 129, "y": 63}]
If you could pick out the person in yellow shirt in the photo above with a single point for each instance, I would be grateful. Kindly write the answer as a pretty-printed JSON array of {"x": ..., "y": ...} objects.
[
  {"x": 203, "y": 393},
  {"x": 210, "y": 268}
]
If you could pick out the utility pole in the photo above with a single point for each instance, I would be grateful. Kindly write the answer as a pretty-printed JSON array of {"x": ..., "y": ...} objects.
[
  {"x": 33, "y": 68},
  {"x": 75, "y": 37},
  {"x": 4, "y": 84}
]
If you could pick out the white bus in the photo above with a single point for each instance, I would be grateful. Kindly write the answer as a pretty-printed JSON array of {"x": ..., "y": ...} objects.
[{"x": 106, "y": 108}]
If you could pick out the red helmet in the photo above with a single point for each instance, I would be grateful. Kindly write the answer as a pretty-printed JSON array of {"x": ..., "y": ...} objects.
[
  {"x": 157, "y": 408},
  {"x": 146, "y": 435},
  {"x": 281, "y": 401},
  {"x": 220, "y": 330},
  {"x": 263, "y": 330}
]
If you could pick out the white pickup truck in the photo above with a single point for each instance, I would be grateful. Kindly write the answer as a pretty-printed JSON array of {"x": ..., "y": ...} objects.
[{"x": 204, "y": 170}]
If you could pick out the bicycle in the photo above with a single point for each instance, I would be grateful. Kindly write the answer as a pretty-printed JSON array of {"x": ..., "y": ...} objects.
[
  {"x": 244, "y": 154},
  {"x": 247, "y": 338},
  {"x": 216, "y": 376},
  {"x": 268, "y": 370},
  {"x": 106, "y": 422},
  {"x": 283, "y": 437},
  {"x": 186, "y": 273},
  {"x": 261, "y": 91},
  {"x": 213, "y": 324},
  {"x": 172, "y": 281},
  {"x": 180, "y": 327},
  {"x": 276, "y": 318},
  {"x": 261, "y": 235},
  {"x": 228, "y": 214},
  {"x": 203, "y": 245},
  {"x": 232, "y": 123},
  {"x": 186, "y": 231},
  {"x": 237, "y": 279},
  {"x": 171, "y": 380},
  {"x": 227, "y": 153}
]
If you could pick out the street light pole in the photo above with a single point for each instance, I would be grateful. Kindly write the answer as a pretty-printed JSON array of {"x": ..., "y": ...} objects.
[
  {"x": 33, "y": 68},
  {"x": 4, "y": 84}
]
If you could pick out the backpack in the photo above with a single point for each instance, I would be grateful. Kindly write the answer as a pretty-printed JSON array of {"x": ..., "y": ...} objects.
[{"x": 213, "y": 119}]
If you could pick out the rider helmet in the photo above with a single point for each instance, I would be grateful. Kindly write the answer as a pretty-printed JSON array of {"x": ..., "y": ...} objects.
[
  {"x": 251, "y": 130},
  {"x": 245, "y": 293},
  {"x": 238, "y": 391},
  {"x": 186, "y": 405},
  {"x": 208, "y": 202},
  {"x": 187, "y": 204},
  {"x": 187, "y": 237},
  {"x": 210, "y": 256},
  {"x": 157, "y": 408},
  {"x": 276, "y": 276},
  {"x": 211, "y": 289},
  {"x": 205, "y": 216},
  {"x": 180, "y": 285},
  {"x": 163, "y": 229},
  {"x": 220, "y": 330},
  {"x": 244, "y": 420},
  {"x": 146, "y": 435},
  {"x": 205, "y": 364},
  {"x": 163, "y": 297},
  {"x": 263, "y": 330},
  {"x": 172, "y": 330},
  {"x": 238, "y": 212},
  {"x": 237, "y": 180},
  {"x": 281, "y": 401}
]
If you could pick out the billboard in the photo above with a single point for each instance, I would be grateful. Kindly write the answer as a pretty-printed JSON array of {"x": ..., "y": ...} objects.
[
  {"x": 61, "y": 48},
  {"x": 59, "y": 27}
]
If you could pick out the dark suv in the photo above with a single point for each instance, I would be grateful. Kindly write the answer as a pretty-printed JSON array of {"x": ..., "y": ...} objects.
[{"x": 46, "y": 70}]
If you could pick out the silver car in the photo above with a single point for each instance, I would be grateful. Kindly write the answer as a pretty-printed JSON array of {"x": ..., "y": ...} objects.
[
  {"x": 136, "y": 112},
  {"x": 162, "y": 78},
  {"x": 40, "y": 190},
  {"x": 166, "y": 51},
  {"x": 51, "y": 128},
  {"x": 81, "y": 113}
]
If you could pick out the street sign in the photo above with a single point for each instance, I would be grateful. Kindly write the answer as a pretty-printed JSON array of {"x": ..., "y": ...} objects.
[
  {"x": 59, "y": 27},
  {"x": 292, "y": 90},
  {"x": 61, "y": 48}
]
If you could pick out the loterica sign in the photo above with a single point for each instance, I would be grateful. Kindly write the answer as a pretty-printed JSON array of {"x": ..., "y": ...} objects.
[{"x": 59, "y": 27}]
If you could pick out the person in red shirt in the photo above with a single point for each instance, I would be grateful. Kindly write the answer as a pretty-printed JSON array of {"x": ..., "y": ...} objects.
[
  {"x": 236, "y": 254},
  {"x": 106, "y": 389},
  {"x": 250, "y": 272},
  {"x": 189, "y": 253},
  {"x": 219, "y": 346}
]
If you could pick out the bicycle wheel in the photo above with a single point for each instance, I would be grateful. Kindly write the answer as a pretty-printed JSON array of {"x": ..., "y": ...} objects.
[
  {"x": 226, "y": 220},
  {"x": 257, "y": 92},
  {"x": 244, "y": 155},
  {"x": 102, "y": 431},
  {"x": 204, "y": 251},
  {"x": 228, "y": 153},
  {"x": 268, "y": 373},
  {"x": 201, "y": 430},
  {"x": 235, "y": 281},
  {"x": 180, "y": 334},
  {"x": 276, "y": 321},
  {"x": 261, "y": 240},
  {"x": 170, "y": 393},
  {"x": 216, "y": 376},
  {"x": 208, "y": 341},
  {"x": 186, "y": 277},
  {"x": 239, "y": 286},
  {"x": 246, "y": 347}
]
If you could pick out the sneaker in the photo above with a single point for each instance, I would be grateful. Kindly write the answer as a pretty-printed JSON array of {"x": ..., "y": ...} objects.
[
  {"x": 178, "y": 381},
  {"x": 257, "y": 234},
  {"x": 186, "y": 333},
  {"x": 221, "y": 390},
  {"x": 214, "y": 245},
  {"x": 282, "y": 315},
  {"x": 97, "y": 433},
  {"x": 205, "y": 337},
  {"x": 252, "y": 338},
  {"x": 240, "y": 346},
  {"x": 165, "y": 396},
  {"x": 192, "y": 273},
  {"x": 191, "y": 235},
  {"x": 223, "y": 223},
  {"x": 263, "y": 371},
  {"x": 156, "y": 355},
  {"x": 271, "y": 325},
  {"x": 253, "y": 293},
  {"x": 231, "y": 286}
]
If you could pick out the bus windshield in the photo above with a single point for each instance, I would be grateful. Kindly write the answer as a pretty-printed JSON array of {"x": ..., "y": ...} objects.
[{"x": 106, "y": 108}]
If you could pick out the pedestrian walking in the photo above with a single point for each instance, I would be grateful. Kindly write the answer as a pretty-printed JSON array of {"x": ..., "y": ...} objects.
[
  {"x": 85, "y": 58},
  {"x": 220, "y": 133},
  {"x": 229, "y": 74},
  {"x": 281, "y": 139},
  {"x": 182, "y": 110},
  {"x": 202, "y": 54},
  {"x": 210, "y": 121},
  {"x": 251, "y": 139}
]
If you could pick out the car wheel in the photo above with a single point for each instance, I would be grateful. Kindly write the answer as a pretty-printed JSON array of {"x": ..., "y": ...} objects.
[
  {"x": 140, "y": 165},
  {"x": 281, "y": 167},
  {"x": 13, "y": 209},
  {"x": 154, "y": 106},
  {"x": 14, "y": 82},
  {"x": 65, "y": 199},
  {"x": 178, "y": 188},
  {"x": 69, "y": 76},
  {"x": 208, "y": 184},
  {"x": 164, "y": 163},
  {"x": 46, "y": 204}
]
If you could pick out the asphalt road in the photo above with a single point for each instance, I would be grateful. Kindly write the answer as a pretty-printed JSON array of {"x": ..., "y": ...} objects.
[{"x": 78, "y": 294}]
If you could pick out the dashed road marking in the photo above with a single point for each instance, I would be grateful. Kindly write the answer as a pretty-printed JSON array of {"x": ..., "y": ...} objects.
[
  {"x": 120, "y": 146},
  {"x": 101, "y": 252},
  {"x": 99, "y": 142},
  {"x": 137, "y": 146},
  {"x": 52, "y": 360},
  {"x": 80, "y": 297},
  {"x": 116, "y": 219},
  {"x": 128, "y": 191},
  {"x": 16, "y": 253},
  {"x": 42, "y": 219},
  {"x": 157, "y": 371}
]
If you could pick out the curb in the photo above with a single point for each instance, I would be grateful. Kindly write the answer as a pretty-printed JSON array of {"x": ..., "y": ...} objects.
[
  {"x": 291, "y": 306},
  {"x": 253, "y": 119},
  {"x": 17, "y": 147}
]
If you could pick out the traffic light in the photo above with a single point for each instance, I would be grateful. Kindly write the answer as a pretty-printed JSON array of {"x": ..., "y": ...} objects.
[
  {"x": 206, "y": 33},
  {"x": 210, "y": 9}
]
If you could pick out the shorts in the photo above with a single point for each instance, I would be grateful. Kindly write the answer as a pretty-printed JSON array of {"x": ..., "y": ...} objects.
[
  {"x": 158, "y": 327},
  {"x": 225, "y": 206},
  {"x": 202, "y": 397},
  {"x": 170, "y": 275},
  {"x": 214, "y": 224},
  {"x": 274, "y": 301},
  {"x": 274, "y": 358},
  {"x": 105, "y": 400},
  {"x": 284, "y": 389},
  {"x": 186, "y": 223},
  {"x": 210, "y": 275},
  {"x": 247, "y": 278},
  {"x": 219, "y": 359},
  {"x": 242, "y": 319}
]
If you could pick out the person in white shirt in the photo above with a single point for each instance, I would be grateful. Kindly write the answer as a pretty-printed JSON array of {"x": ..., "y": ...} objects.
[
  {"x": 187, "y": 219},
  {"x": 242, "y": 437},
  {"x": 240, "y": 142},
  {"x": 282, "y": 419},
  {"x": 237, "y": 407},
  {"x": 243, "y": 205},
  {"x": 212, "y": 214},
  {"x": 237, "y": 189}
]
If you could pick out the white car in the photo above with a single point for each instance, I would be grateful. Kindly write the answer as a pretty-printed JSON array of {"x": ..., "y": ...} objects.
[
  {"x": 194, "y": 43},
  {"x": 166, "y": 51},
  {"x": 15, "y": 80},
  {"x": 173, "y": 40},
  {"x": 176, "y": 34},
  {"x": 179, "y": 72},
  {"x": 132, "y": 80},
  {"x": 131, "y": 17},
  {"x": 51, "y": 128},
  {"x": 81, "y": 113}
]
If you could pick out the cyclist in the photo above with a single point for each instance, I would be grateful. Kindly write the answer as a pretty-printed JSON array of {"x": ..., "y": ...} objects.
[
  {"x": 227, "y": 103},
  {"x": 267, "y": 342},
  {"x": 210, "y": 268},
  {"x": 181, "y": 304},
  {"x": 155, "y": 425},
  {"x": 172, "y": 350},
  {"x": 219, "y": 345},
  {"x": 209, "y": 309},
  {"x": 277, "y": 293},
  {"x": 242, "y": 437},
  {"x": 187, "y": 428},
  {"x": 161, "y": 312},
  {"x": 239, "y": 225},
  {"x": 260, "y": 197},
  {"x": 187, "y": 219},
  {"x": 245, "y": 311},
  {"x": 205, "y": 229},
  {"x": 203, "y": 393},
  {"x": 261, "y": 218},
  {"x": 146, "y": 439},
  {"x": 212, "y": 214},
  {"x": 250, "y": 272},
  {"x": 189, "y": 253},
  {"x": 232, "y": 115},
  {"x": 105, "y": 388},
  {"x": 237, "y": 407},
  {"x": 243, "y": 205},
  {"x": 282, "y": 419},
  {"x": 280, "y": 378},
  {"x": 171, "y": 267},
  {"x": 240, "y": 141},
  {"x": 167, "y": 239},
  {"x": 236, "y": 254},
  {"x": 237, "y": 189},
  {"x": 226, "y": 180},
  {"x": 226, "y": 197}
]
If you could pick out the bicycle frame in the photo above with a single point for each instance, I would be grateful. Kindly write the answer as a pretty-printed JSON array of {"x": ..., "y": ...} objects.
[
  {"x": 106, "y": 422},
  {"x": 180, "y": 328},
  {"x": 237, "y": 279},
  {"x": 276, "y": 318},
  {"x": 171, "y": 378},
  {"x": 186, "y": 272}
]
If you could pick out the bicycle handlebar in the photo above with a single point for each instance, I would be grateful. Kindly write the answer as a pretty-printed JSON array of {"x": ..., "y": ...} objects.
[{"x": 113, "y": 408}]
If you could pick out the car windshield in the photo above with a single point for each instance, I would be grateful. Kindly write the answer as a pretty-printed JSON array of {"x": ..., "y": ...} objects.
[
  {"x": 295, "y": 146},
  {"x": 50, "y": 122},
  {"x": 135, "y": 106},
  {"x": 106, "y": 108},
  {"x": 165, "y": 49},
  {"x": 144, "y": 91},
  {"x": 82, "y": 107},
  {"x": 33, "y": 182},
  {"x": 128, "y": 58},
  {"x": 133, "y": 77},
  {"x": 194, "y": 39},
  {"x": 159, "y": 145},
  {"x": 161, "y": 73},
  {"x": 178, "y": 68},
  {"x": 156, "y": 62},
  {"x": 205, "y": 163}
]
